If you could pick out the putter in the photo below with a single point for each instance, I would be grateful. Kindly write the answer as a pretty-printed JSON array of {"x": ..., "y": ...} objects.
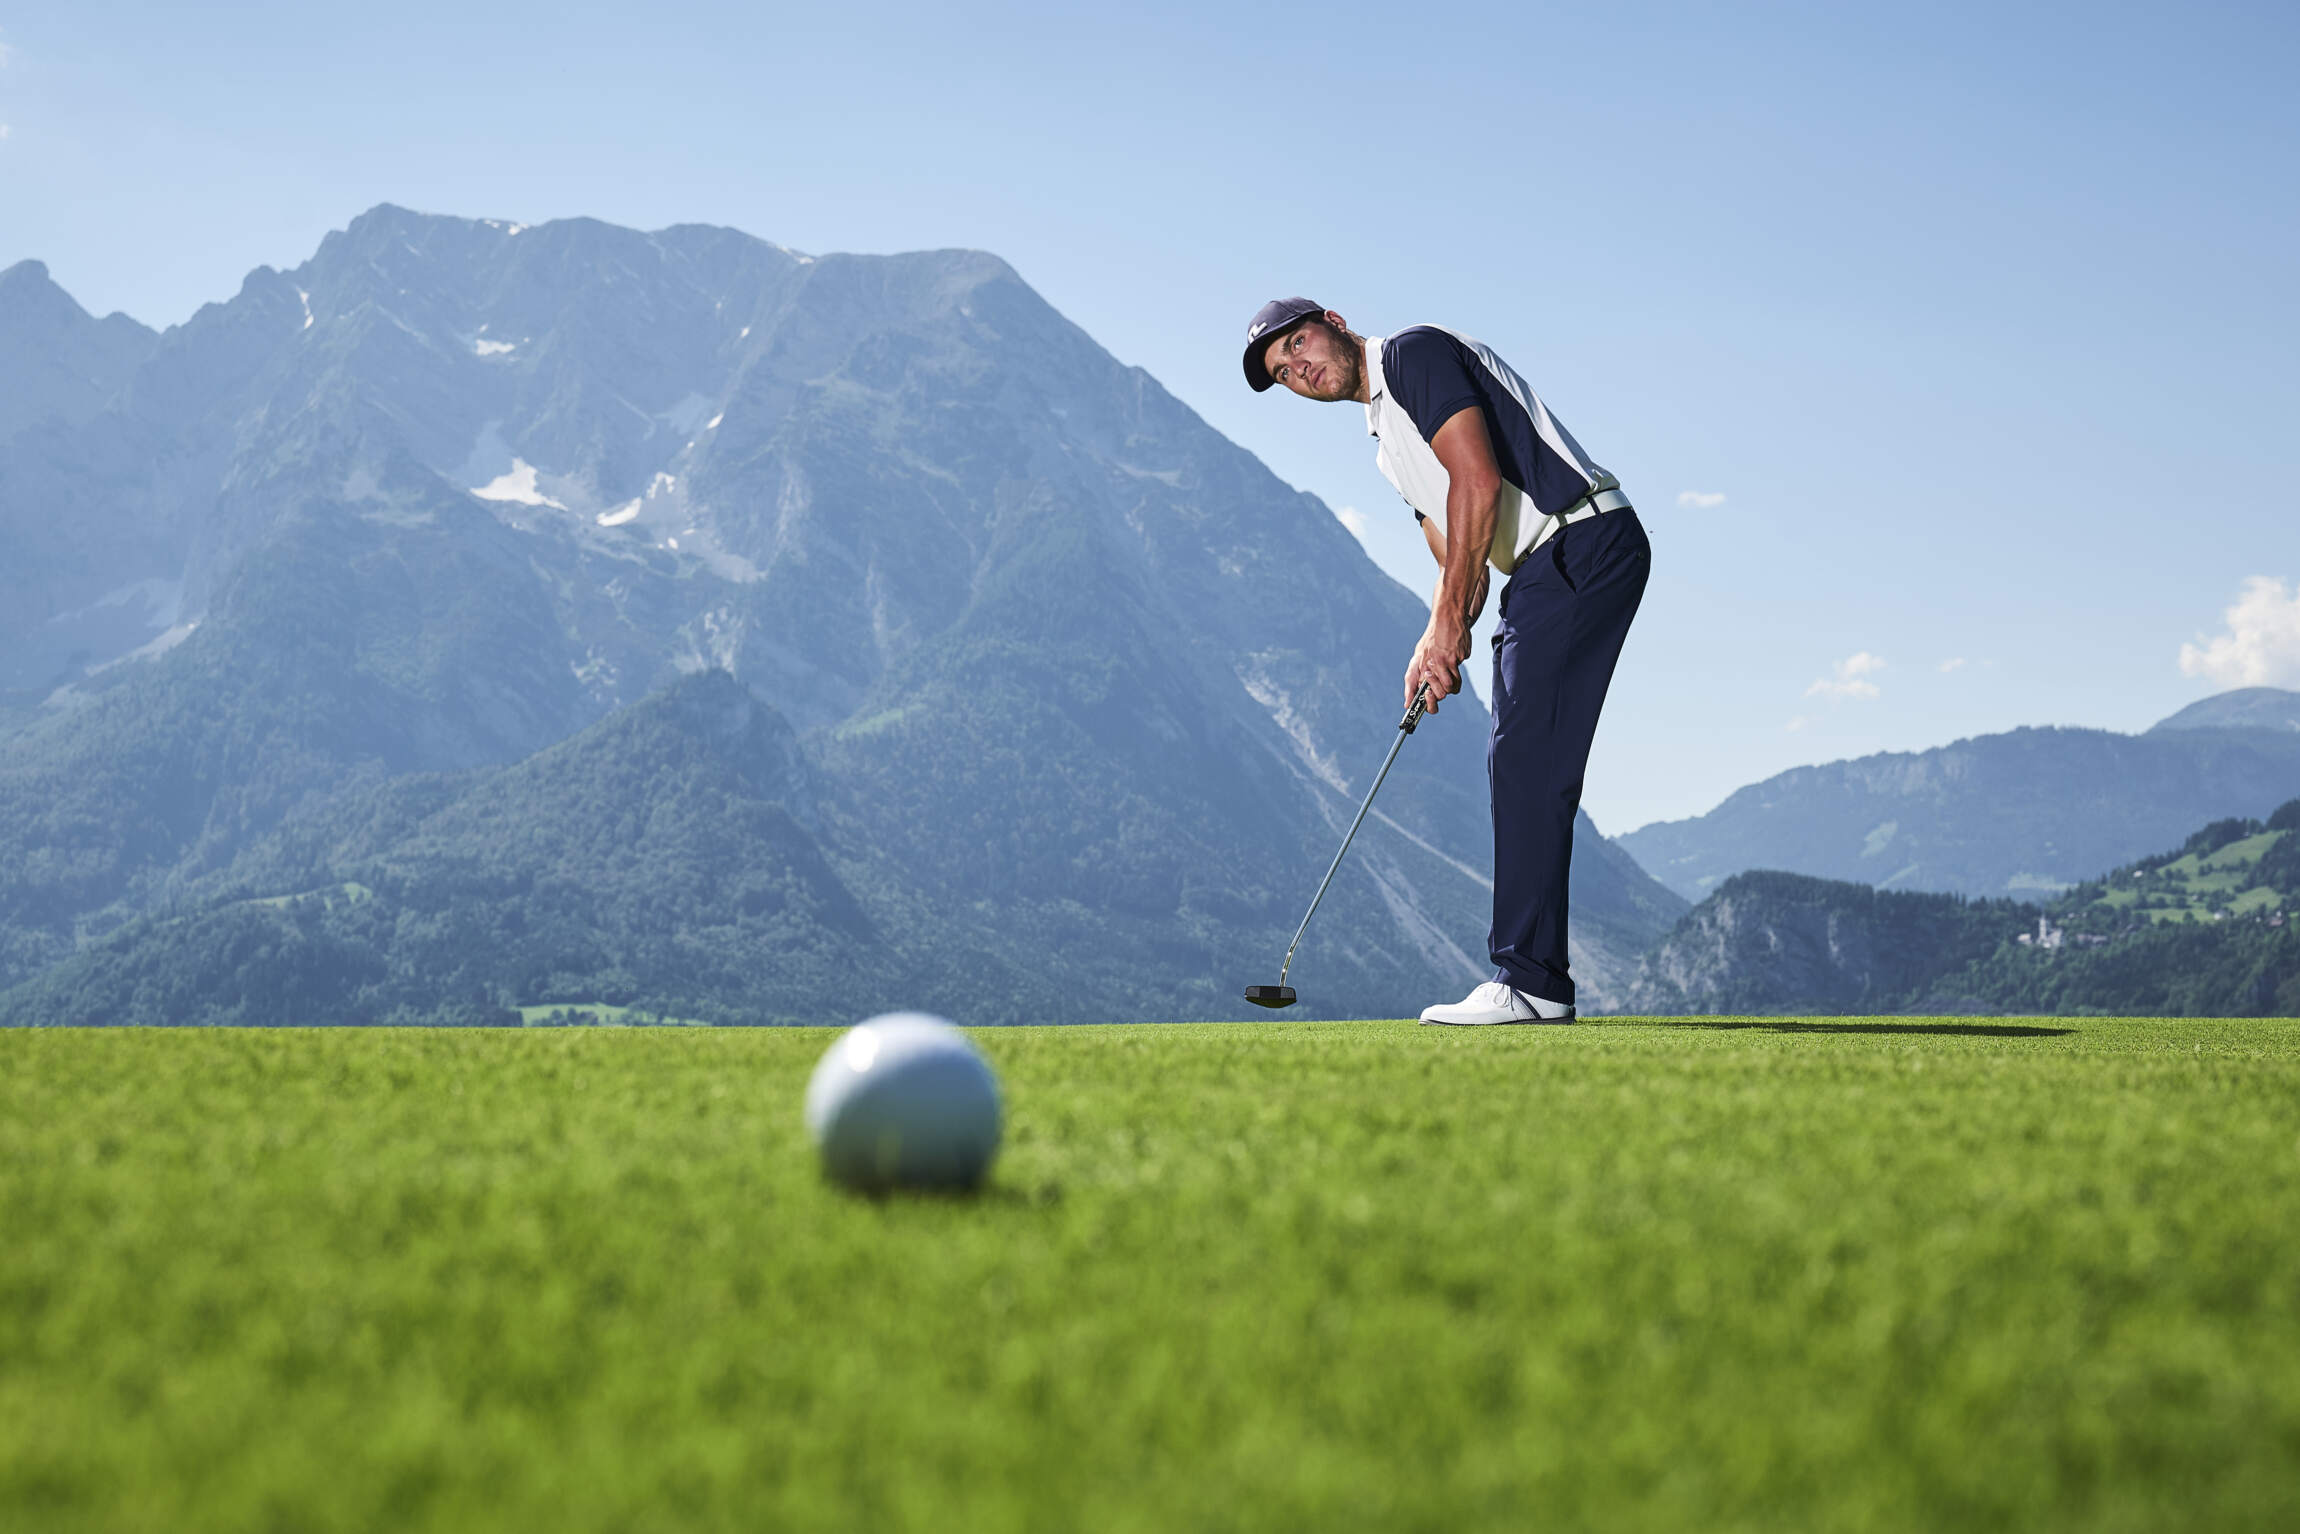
[{"x": 1282, "y": 994}]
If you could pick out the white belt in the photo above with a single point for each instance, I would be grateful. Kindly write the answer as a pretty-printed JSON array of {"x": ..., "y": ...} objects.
[{"x": 1594, "y": 504}]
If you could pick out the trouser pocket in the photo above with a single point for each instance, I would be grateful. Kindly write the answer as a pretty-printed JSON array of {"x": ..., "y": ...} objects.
[{"x": 1557, "y": 558}]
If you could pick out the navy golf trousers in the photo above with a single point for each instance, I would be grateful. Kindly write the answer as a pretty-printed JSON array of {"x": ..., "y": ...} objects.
[{"x": 1564, "y": 615}]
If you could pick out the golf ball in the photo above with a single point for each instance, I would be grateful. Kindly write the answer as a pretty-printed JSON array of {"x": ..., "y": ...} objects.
[{"x": 904, "y": 1100}]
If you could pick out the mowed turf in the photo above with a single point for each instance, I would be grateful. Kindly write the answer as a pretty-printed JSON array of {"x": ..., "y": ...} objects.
[{"x": 1906, "y": 1275}]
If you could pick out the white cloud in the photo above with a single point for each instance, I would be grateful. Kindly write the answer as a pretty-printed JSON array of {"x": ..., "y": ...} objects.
[
  {"x": 2262, "y": 645},
  {"x": 1797, "y": 723},
  {"x": 3, "y": 132},
  {"x": 1850, "y": 681},
  {"x": 1353, "y": 519},
  {"x": 1953, "y": 663},
  {"x": 1700, "y": 500}
]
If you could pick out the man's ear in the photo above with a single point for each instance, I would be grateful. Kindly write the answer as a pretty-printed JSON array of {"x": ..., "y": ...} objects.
[{"x": 1336, "y": 321}]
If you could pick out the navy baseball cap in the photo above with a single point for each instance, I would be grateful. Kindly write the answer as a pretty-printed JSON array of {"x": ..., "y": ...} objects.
[{"x": 1271, "y": 321}]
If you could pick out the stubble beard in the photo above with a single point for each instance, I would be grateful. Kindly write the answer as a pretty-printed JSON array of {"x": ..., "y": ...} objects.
[{"x": 1348, "y": 367}]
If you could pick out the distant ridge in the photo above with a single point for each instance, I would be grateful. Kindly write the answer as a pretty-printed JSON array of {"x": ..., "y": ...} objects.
[
  {"x": 2247, "y": 708},
  {"x": 2023, "y": 814}
]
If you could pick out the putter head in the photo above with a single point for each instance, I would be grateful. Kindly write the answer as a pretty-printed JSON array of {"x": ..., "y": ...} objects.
[{"x": 1270, "y": 995}]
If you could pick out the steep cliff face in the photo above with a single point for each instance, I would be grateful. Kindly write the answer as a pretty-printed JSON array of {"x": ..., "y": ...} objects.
[
  {"x": 1784, "y": 943},
  {"x": 2209, "y": 930}
]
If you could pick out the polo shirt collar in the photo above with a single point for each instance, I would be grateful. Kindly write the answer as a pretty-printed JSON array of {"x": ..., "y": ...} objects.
[{"x": 1376, "y": 386}]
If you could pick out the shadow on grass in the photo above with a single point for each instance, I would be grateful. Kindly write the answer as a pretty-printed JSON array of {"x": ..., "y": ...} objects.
[{"x": 1790, "y": 1025}]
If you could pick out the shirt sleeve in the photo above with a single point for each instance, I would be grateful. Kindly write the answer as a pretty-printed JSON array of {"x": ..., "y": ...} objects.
[{"x": 1429, "y": 376}]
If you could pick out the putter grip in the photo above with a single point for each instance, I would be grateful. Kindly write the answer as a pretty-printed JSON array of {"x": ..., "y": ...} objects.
[{"x": 1414, "y": 714}]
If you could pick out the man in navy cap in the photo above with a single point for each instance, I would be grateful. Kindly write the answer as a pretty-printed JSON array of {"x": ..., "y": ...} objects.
[{"x": 1494, "y": 480}]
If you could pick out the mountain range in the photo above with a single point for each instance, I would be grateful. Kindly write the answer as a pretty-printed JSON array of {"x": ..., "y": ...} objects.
[
  {"x": 2025, "y": 814},
  {"x": 479, "y": 616}
]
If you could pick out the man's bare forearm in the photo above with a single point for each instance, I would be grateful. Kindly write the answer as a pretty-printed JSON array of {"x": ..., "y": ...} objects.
[
  {"x": 1472, "y": 504},
  {"x": 1461, "y": 589}
]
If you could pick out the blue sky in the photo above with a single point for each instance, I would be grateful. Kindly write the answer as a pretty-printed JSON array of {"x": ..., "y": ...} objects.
[{"x": 1948, "y": 351}]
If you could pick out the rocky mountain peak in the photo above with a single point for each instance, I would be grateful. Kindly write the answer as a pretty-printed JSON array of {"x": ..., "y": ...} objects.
[
  {"x": 25, "y": 276},
  {"x": 64, "y": 364}
]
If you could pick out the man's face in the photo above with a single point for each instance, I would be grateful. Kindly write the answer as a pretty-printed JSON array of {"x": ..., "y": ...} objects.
[{"x": 1316, "y": 359}]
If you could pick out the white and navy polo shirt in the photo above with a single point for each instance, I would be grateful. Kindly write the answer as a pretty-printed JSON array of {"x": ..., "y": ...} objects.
[{"x": 1419, "y": 379}]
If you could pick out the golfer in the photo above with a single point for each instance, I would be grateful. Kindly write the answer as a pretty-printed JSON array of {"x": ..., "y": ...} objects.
[{"x": 1494, "y": 479}]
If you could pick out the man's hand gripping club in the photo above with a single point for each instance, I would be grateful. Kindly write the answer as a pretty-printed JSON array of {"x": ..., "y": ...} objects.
[{"x": 1473, "y": 493}]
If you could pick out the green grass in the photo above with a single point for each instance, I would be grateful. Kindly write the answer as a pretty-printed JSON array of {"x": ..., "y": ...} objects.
[
  {"x": 2254, "y": 901},
  {"x": 1767, "y": 1276},
  {"x": 2244, "y": 853},
  {"x": 2204, "y": 885}
]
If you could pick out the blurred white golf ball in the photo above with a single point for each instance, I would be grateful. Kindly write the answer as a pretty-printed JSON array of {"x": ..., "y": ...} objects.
[{"x": 904, "y": 1100}]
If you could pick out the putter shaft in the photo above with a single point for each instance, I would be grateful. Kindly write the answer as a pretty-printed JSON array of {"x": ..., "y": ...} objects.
[{"x": 1405, "y": 728}]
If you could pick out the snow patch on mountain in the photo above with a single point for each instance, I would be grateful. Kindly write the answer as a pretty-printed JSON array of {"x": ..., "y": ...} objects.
[
  {"x": 682, "y": 526},
  {"x": 659, "y": 505},
  {"x": 518, "y": 484},
  {"x": 495, "y": 473}
]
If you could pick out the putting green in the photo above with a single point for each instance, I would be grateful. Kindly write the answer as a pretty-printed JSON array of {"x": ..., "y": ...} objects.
[{"x": 1688, "y": 1275}]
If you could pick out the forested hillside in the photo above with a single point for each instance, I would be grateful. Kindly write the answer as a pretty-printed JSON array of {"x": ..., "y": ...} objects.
[
  {"x": 2212, "y": 929},
  {"x": 667, "y": 857}
]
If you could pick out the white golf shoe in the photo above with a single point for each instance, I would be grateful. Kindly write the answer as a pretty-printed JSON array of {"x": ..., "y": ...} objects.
[{"x": 1494, "y": 1002}]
